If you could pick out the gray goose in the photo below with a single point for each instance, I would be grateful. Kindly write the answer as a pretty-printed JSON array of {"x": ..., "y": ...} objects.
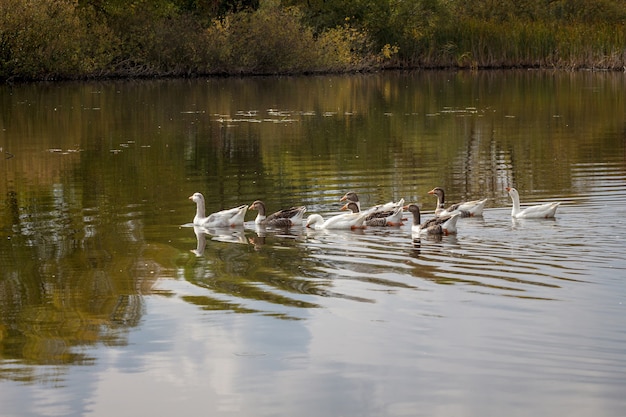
[
  {"x": 378, "y": 218},
  {"x": 442, "y": 225},
  {"x": 282, "y": 218},
  {"x": 351, "y": 196},
  {"x": 466, "y": 209}
]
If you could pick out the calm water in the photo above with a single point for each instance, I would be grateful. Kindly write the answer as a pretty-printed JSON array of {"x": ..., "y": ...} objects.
[{"x": 110, "y": 304}]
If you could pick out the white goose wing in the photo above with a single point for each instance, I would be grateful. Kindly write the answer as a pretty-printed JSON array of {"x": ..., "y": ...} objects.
[
  {"x": 475, "y": 207},
  {"x": 226, "y": 218},
  {"x": 340, "y": 221},
  {"x": 346, "y": 221},
  {"x": 390, "y": 206},
  {"x": 467, "y": 208},
  {"x": 444, "y": 225},
  {"x": 539, "y": 211}
]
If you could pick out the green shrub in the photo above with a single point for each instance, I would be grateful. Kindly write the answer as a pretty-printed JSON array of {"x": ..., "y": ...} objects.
[
  {"x": 274, "y": 39},
  {"x": 271, "y": 39},
  {"x": 178, "y": 46},
  {"x": 47, "y": 39},
  {"x": 345, "y": 48}
]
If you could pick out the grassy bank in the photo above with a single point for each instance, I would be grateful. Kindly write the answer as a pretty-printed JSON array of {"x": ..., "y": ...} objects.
[
  {"x": 68, "y": 39},
  {"x": 479, "y": 44}
]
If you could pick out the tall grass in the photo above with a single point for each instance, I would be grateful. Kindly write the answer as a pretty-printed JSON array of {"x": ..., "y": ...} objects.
[{"x": 471, "y": 43}]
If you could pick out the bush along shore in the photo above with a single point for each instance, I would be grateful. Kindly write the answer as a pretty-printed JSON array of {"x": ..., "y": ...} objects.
[{"x": 78, "y": 39}]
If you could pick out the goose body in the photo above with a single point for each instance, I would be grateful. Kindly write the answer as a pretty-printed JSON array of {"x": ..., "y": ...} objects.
[
  {"x": 225, "y": 218},
  {"x": 352, "y": 197},
  {"x": 283, "y": 218},
  {"x": 442, "y": 225},
  {"x": 378, "y": 218},
  {"x": 539, "y": 211},
  {"x": 340, "y": 221},
  {"x": 466, "y": 209}
]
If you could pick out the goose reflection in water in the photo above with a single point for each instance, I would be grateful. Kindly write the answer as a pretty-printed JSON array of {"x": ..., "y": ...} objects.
[
  {"x": 539, "y": 224},
  {"x": 229, "y": 235},
  {"x": 416, "y": 244},
  {"x": 263, "y": 232},
  {"x": 256, "y": 238},
  {"x": 200, "y": 239},
  {"x": 425, "y": 242}
]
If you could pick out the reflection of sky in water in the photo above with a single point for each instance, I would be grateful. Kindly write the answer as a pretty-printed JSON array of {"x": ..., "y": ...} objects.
[
  {"x": 439, "y": 347},
  {"x": 383, "y": 349}
]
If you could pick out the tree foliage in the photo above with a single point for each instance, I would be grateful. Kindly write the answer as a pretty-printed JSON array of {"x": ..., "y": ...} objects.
[
  {"x": 48, "y": 38},
  {"x": 42, "y": 39}
]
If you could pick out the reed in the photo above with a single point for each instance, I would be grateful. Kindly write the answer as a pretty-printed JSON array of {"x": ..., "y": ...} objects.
[{"x": 471, "y": 43}]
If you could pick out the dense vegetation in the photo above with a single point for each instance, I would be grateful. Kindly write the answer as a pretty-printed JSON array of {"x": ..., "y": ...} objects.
[{"x": 51, "y": 39}]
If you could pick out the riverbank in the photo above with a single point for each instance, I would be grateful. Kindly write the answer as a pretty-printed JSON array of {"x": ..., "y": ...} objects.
[{"x": 68, "y": 39}]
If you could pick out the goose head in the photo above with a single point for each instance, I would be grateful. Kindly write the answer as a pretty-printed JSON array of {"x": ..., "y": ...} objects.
[
  {"x": 259, "y": 206},
  {"x": 513, "y": 194},
  {"x": 350, "y": 196},
  {"x": 438, "y": 191},
  {"x": 197, "y": 198},
  {"x": 352, "y": 206},
  {"x": 515, "y": 197},
  {"x": 414, "y": 208},
  {"x": 313, "y": 220}
]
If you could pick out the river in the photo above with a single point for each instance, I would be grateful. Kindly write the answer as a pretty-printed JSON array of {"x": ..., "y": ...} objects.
[{"x": 112, "y": 304}]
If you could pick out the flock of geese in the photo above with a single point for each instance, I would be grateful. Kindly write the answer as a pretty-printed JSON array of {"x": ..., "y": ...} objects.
[{"x": 389, "y": 214}]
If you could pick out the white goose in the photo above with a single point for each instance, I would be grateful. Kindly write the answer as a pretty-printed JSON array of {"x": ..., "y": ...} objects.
[
  {"x": 341, "y": 221},
  {"x": 539, "y": 211},
  {"x": 225, "y": 218},
  {"x": 283, "y": 218},
  {"x": 378, "y": 218},
  {"x": 466, "y": 209},
  {"x": 442, "y": 225},
  {"x": 351, "y": 196}
]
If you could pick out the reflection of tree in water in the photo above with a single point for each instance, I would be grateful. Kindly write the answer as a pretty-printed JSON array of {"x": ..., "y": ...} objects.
[{"x": 67, "y": 280}]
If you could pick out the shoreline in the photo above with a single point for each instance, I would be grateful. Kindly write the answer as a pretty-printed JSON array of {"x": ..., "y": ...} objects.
[{"x": 152, "y": 77}]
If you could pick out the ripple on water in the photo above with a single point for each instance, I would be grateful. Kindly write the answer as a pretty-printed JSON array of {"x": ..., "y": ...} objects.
[
  {"x": 493, "y": 255},
  {"x": 502, "y": 256},
  {"x": 390, "y": 260}
]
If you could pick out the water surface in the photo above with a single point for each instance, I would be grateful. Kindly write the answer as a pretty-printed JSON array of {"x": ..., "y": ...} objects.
[{"x": 110, "y": 304}]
